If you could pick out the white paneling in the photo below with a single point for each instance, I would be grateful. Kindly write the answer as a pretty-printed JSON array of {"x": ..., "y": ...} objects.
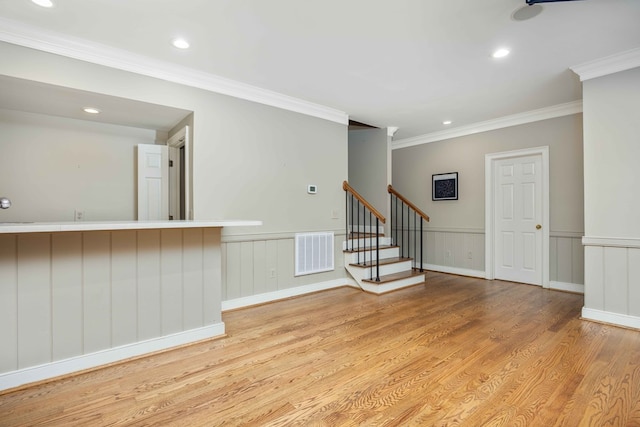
[
  {"x": 577, "y": 261},
  {"x": 193, "y": 279},
  {"x": 247, "y": 269},
  {"x": 553, "y": 259},
  {"x": 616, "y": 280},
  {"x": 34, "y": 300},
  {"x": 67, "y": 303},
  {"x": 96, "y": 277},
  {"x": 232, "y": 270},
  {"x": 260, "y": 272},
  {"x": 212, "y": 271},
  {"x": 564, "y": 272},
  {"x": 634, "y": 281},
  {"x": 171, "y": 282},
  {"x": 271, "y": 257},
  {"x": 594, "y": 277},
  {"x": 286, "y": 263},
  {"x": 124, "y": 291},
  {"x": 148, "y": 284},
  {"x": 8, "y": 303},
  {"x": 65, "y": 295}
]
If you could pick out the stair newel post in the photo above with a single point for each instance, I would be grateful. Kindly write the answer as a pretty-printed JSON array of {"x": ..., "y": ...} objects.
[
  {"x": 370, "y": 256},
  {"x": 346, "y": 219},
  {"x": 391, "y": 212}
]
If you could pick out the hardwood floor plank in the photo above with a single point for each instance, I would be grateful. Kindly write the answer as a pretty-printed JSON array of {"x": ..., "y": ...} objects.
[{"x": 455, "y": 351}]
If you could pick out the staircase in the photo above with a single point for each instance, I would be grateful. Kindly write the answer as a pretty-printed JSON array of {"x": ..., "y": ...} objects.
[{"x": 376, "y": 262}]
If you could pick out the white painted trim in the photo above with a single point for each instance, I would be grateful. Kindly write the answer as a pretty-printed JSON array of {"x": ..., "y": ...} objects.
[
  {"x": 93, "y": 360},
  {"x": 391, "y": 130},
  {"x": 489, "y": 204},
  {"x": 613, "y": 242},
  {"x": 454, "y": 230},
  {"x": 568, "y": 287},
  {"x": 570, "y": 234},
  {"x": 608, "y": 65},
  {"x": 181, "y": 139},
  {"x": 72, "y": 47},
  {"x": 554, "y": 111},
  {"x": 611, "y": 318},
  {"x": 454, "y": 270},
  {"x": 243, "y": 302},
  {"x": 251, "y": 237}
]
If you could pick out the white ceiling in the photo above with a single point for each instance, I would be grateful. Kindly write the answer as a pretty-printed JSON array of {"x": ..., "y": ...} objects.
[
  {"x": 35, "y": 97},
  {"x": 405, "y": 63}
]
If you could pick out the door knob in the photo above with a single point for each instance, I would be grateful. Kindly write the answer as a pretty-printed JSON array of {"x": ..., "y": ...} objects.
[{"x": 538, "y": 227}]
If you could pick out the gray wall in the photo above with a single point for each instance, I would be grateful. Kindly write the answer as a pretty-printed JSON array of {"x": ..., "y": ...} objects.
[
  {"x": 51, "y": 166},
  {"x": 455, "y": 234},
  {"x": 250, "y": 161},
  {"x": 612, "y": 152},
  {"x": 413, "y": 167},
  {"x": 368, "y": 165},
  {"x": 612, "y": 208}
]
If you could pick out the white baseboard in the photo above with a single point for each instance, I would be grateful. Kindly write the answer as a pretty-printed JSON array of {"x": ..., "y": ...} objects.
[
  {"x": 236, "y": 303},
  {"x": 454, "y": 270},
  {"x": 612, "y": 318},
  {"x": 87, "y": 361},
  {"x": 568, "y": 287}
]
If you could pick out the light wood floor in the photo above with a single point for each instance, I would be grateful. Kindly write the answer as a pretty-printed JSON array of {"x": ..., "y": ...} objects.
[{"x": 456, "y": 351}]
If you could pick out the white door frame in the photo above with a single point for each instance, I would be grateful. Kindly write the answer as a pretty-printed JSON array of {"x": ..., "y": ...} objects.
[
  {"x": 180, "y": 139},
  {"x": 489, "y": 216}
]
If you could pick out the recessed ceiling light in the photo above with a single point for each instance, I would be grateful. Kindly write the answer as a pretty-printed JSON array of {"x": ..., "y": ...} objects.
[
  {"x": 91, "y": 110},
  {"x": 447, "y": 122},
  {"x": 500, "y": 53},
  {"x": 43, "y": 3},
  {"x": 181, "y": 43}
]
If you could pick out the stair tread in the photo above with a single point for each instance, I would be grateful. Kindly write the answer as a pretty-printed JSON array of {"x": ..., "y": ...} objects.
[
  {"x": 383, "y": 261},
  {"x": 369, "y": 248},
  {"x": 395, "y": 276}
]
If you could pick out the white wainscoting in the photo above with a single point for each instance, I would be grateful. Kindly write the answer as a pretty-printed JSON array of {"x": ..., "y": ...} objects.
[
  {"x": 612, "y": 280},
  {"x": 75, "y": 300},
  {"x": 566, "y": 261},
  {"x": 461, "y": 251},
  {"x": 259, "y": 268}
]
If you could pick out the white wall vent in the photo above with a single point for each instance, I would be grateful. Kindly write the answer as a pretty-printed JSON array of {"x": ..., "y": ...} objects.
[{"x": 314, "y": 253}]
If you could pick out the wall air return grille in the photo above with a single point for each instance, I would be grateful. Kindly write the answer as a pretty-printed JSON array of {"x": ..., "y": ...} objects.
[{"x": 314, "y": 253}]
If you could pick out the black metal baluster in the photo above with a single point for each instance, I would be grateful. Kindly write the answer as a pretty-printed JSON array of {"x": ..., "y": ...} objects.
[
  {"x": 421, "y": 247},
  {"x": 377, "y": 251}
]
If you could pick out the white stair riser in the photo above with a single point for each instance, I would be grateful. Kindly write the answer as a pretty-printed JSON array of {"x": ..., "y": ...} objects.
[
  {"x": 363, "y": 243},
  {"x": 352, "y": 257},
  {"x": 360, "y": 273},
  {"x": 392, "y": 286}
]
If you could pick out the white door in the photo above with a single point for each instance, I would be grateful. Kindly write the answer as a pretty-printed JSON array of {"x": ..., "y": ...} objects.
[
  {"x": 518, "y": 219},
  {"x": 153, "y": 182}
]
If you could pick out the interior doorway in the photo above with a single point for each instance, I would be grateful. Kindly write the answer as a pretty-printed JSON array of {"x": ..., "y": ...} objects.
[
  {"x": 517, "y": 216},
  {"x": 179, "y": 173}
]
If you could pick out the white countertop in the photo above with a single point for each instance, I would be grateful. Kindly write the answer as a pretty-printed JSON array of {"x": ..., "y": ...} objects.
[{"x": 54, "y": 227}]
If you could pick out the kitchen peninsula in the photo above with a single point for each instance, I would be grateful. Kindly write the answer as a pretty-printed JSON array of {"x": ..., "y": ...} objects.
[{"x": 76, "y": 295}]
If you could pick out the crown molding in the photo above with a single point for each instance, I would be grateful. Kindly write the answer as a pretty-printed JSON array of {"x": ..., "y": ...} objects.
[
  {"x": 83, "y": 50},
  {"x": 502, "y": 122},
  {"x": 391, "y": 130},
  {"x": 608, "y": 65}
]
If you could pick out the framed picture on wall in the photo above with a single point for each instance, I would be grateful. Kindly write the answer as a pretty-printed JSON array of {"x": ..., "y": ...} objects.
[{"x": 444, "y": 186}]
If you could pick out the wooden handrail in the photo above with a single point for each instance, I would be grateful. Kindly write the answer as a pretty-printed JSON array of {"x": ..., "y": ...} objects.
[
  {"x": 374, "y": 211},
  {"x": 407, "y": 202}
]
